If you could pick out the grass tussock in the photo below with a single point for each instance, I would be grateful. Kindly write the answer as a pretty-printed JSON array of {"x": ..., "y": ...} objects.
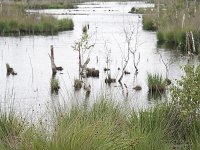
[
  {"x": 15, "y": 21},
  {"x": 149, "y": 23},
  {"x": 55, "y": 86},
  {"x": 156, "y": 83}
]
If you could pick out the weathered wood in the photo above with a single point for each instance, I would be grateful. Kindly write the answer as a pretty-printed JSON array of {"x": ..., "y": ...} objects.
[
  {"x": 183, "y": 21},
  {"x": 126, "y": 72},
  {"x": 87, "y": 88},
  {"x": 59, "y": 68},
  {"x": 106, "y": 69},
  {"x": 53, "y": 66},
  {"x": 193, "y": 44},
  {"x": 10, "y": 70},
  {"x": 92, "y": 72},
  {"x": 77, "y": 84},
  {"x": 84, "y": 68},
  {"x": 110, "y": 80}
]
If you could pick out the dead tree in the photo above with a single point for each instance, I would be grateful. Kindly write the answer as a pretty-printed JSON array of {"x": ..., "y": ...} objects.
[
  {"x": 84, "y": 68},
  {"x": 127, "y": 57},
  {"x": 133, "y": 51},
  {"x": 10, "y": 70},
  {"x": 167, "y": 64},
  {"x": 82, "y": 46},
  {"x": 108, "y": 79},
  {"x": 190, "y": 43},
  {"x": 158, "y": 8},
  {"x": 130, "y": 50},
  {"x": 53, "y": 66}
]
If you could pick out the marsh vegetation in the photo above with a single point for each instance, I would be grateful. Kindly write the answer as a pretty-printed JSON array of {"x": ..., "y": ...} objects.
[
  {"x": 108, "y": 125},
  {"x": 176, "y": 23},
  {"x": 123, "y": 61}
]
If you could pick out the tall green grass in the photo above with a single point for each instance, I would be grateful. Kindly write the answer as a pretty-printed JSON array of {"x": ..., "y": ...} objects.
[
  {"x": 104, "y": 125},
  {"x": 149, "y": 23},
  {"x": 108, "y": 125}
]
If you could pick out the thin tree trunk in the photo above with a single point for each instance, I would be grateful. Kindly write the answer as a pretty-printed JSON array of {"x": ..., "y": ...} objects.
[
  {"x": 84, "y": 68},
  {"x": 53, "y": 66},
  {"x": 158, "y": 9},
  {"x": 193, "y": 44},
  {"x": 122, "y": 75}
]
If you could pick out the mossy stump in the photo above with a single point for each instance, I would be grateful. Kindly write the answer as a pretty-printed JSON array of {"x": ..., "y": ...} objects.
[
  {"x": 77, "y": 84},
  {"x": 10, "y": 70},
  {"x": 92, "y": 72},
  {"x": 110, "y": 80},
  {"x": 137, "y": 88}
]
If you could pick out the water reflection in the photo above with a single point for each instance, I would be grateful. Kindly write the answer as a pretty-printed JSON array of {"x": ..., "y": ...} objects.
[{"x": 28, "y": 55}]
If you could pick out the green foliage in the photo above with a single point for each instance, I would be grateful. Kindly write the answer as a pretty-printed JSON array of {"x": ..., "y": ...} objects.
[{"x": 186, "y": 93}]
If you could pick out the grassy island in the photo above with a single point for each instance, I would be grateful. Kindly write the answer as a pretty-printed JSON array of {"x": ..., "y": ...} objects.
[
  {"x": 14, "y": 20},
  {"x": 48, "y": 5}
]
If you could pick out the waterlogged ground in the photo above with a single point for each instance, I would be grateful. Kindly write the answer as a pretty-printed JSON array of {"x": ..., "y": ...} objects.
[{"x": 29, "y": 91}]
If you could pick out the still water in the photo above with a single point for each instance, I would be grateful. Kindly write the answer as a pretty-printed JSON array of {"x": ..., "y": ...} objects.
[{"x": 108, "y": 21}]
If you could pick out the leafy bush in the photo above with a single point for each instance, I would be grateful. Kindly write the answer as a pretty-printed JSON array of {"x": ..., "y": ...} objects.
[{"x": 186, "y": 93}]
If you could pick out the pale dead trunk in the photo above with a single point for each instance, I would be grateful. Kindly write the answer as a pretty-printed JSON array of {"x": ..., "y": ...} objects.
[
  {"x": 158, "y": 8},
  {"x": 193, "y": 44},
  {"x": 183, "y": 21},
  {"x": 84, "y": 68},
  {"x": 53, "y": 66}
]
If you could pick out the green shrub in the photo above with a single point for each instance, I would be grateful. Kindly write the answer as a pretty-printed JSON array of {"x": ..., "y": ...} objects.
[
  {"x": 133, "y": 10},
  {"x": 186, "y": 93}
]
